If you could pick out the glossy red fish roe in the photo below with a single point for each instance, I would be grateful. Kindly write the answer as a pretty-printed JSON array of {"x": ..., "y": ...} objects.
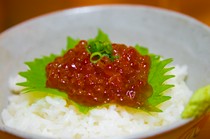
[{"x": 123, "y": 81}]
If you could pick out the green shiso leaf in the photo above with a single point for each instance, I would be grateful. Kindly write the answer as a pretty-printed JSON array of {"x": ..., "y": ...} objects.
[
  {"x": 101, "y": 36},
  {"x": 142, "y": 50},
  {"x": 157, "y": 78},
  {"x": 70, "y": 44},
  {"x": 36, "y": 75}
]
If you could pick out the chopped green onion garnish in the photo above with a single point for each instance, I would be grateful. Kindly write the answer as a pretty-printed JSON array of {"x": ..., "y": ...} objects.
[
  {"x": 95, "y": 57},
  {"x": 99, "y": 49}
]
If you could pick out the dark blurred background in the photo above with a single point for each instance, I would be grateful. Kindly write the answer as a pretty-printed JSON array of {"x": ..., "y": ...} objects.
[{"x": 13, "y": 12}]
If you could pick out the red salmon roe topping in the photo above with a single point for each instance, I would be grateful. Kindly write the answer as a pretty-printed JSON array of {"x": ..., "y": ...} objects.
[{"x": 123, "y": 81}]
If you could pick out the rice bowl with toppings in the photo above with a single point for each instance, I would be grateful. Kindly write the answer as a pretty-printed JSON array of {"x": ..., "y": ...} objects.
[{"x": 55, "y": 117}]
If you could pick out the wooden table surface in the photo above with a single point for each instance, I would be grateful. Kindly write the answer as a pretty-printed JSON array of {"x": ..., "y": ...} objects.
[{"x": 205, "y": 132}]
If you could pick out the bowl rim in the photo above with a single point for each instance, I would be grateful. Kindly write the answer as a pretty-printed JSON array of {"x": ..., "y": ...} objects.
[{"x": 94, "y": 8}]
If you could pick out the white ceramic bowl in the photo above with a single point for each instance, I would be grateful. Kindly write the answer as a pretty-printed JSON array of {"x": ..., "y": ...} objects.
[{"x": 163, "y": 32}]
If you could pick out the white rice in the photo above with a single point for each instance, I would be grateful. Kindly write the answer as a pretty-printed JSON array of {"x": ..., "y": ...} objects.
[{"x": 52, "y": 117}]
